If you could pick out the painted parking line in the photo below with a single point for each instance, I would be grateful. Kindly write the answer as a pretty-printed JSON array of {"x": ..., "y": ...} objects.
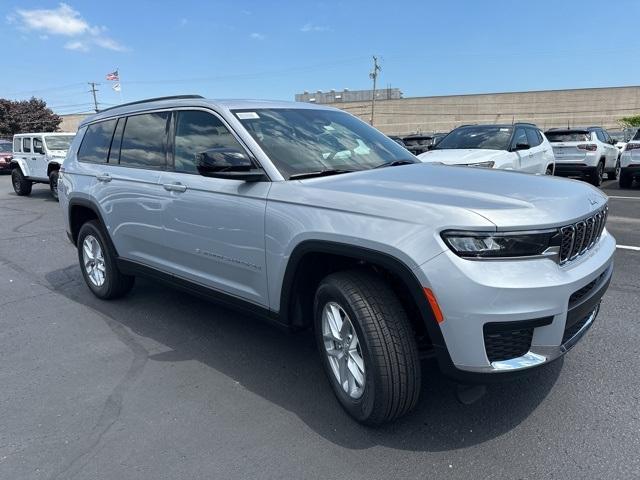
[
  {"x": 617, "y": 197},
  {"x": 615, "y": 219},
  {"x": 628, "y": 247}
]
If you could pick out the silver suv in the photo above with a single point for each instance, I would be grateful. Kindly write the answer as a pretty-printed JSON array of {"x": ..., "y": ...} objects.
[{"x": 311, "y": 218}]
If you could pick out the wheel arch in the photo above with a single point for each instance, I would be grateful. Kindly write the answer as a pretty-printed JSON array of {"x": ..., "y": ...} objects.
[
  {"x": 312, "y": 260},
  {"x": 52, "y": 167},
  {"x": 82, "y": 210}
]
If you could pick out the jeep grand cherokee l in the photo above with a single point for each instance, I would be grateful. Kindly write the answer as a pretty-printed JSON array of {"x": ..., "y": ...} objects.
[{"x": 311, "y": 218}]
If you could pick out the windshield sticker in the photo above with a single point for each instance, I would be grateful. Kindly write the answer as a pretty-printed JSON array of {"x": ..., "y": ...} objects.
[
  {"x": 504, "y": 129},
  {"x": 247, "y": 115}
]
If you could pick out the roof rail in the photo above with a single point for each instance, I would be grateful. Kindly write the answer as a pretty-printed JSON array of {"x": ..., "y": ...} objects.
[
  {"x": 156, "y": 99},
  {"x": 526, "y": 123}
]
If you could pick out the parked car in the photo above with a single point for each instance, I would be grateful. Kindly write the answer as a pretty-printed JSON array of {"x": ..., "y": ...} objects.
[
  {"x": 286, "y": 210},
  {"x": 5, "y": 156},
  {"x": 587, "y": 153},
  {"x": 37, "y": 157},
  {"x": 520, "y": 147},
  {"x": 621, "y": 138},
  {"x": 418, "y": 143},
  {"x": 437, "y": 137},
  {"x": 630, "y": 162},
  {"x": 396, "y": 139}
]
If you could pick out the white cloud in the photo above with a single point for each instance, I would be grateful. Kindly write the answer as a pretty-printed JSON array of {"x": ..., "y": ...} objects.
[
  {"x": 257, "y": 36},
  {"x": 310, "y": 27},
  {"x": 77, "y": 46},
  {"x": 65, "y": 21},
  {"x": 183, "y": 22}
]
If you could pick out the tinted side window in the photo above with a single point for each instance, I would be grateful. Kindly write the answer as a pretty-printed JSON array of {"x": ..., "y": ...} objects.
[
  {"x": 37, "y": 145},
  {"x": 144, "y": 141},
  {"x": 26, "y": 145},
  {"x": 197, "y": 132},
  {"x": 17, "y": 144},
  {"x": 96, "y": 141},
  {"x": 520, "y": 137},
  {"x": 533, "y": 138},
  {"x": 600, "y": 135}
]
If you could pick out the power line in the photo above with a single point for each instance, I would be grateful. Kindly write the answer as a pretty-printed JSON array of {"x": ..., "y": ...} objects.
[{"x": 93, "y": 91}]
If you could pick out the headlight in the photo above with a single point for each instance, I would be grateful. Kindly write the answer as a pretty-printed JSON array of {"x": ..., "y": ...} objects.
[
  {"x": 488, "y": 164},
  {"x": 498, "y": 244}
]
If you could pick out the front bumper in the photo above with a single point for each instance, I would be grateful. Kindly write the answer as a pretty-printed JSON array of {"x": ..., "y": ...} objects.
[{"x": 533, "y": 295}]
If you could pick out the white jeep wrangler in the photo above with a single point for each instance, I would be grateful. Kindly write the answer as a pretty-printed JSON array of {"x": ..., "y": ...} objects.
[{"x": 37, "y": 157}]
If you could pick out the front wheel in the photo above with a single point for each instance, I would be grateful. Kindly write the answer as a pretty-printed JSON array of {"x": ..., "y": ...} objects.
[
  {"x": 53, "y": 184},
  {"x": 549, "y": 170},
  {"x": 21, "y": 185},
  {"x": 367, "y": 346}
]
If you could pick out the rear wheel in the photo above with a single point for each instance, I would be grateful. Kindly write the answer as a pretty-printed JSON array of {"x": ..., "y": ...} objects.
[
  {"x": 616, "y": 172},
  {"x": 21, "y": 185},
  {"x": 549, "y": 170},
  {"x": 53, "y": 184},
  {"x": 597, "y": 175},
  {"x": 367, "y": 346},
  {"x": 626, "y": 180},
  {"x": 98, "y": 263}
]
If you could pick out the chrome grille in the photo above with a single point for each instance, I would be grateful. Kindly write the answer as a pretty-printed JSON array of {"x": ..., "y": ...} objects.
[{"x": 576, "y": 239}]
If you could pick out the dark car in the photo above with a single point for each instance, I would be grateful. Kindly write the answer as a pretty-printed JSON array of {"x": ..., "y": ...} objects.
[
  {"x": 418, "y": 143},
  {"x": 396, "y": 139},
  {"x": 6, "y": 154}
]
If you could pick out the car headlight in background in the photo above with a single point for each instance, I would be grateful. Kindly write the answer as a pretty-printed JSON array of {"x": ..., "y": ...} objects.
[
  {"x": 488, "y": 164},
  {"x": 499, "y": 245}
]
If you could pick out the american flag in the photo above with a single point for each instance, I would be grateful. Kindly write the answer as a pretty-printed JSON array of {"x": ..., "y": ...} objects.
[{"x": 113, "y": 76}]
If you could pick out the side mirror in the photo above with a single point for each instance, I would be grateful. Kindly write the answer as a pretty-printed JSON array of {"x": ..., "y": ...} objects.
[
  {"x": 228, "y": 163},
  {"x": 520, "y": 146}
]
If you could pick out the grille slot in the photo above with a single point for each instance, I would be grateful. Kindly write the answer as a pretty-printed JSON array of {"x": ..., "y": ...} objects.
[
  {"x": 581, "y": 236},
  {"x": 507, "y": 345},
  {"x": 570, "y": 331}
]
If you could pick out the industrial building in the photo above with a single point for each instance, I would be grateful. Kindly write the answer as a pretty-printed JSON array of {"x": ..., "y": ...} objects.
[
  {"x": 547, "y": 109},
  {"x": 346, "y": 95}
]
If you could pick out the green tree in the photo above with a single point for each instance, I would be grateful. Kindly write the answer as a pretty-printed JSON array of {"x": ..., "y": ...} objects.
[
  {"x": 631, "y": 121},
  {"x": 26, "y": 116}
]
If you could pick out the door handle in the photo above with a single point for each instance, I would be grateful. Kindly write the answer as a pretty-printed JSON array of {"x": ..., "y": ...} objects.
[
  {"x": 104, "y": 177},
  {"x": 175, "y": 187},
  {"x": 33, "y": 158}
]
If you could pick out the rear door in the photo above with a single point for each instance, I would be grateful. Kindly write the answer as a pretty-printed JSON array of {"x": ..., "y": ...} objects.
[
  {"x": 611, "y": 149},
  {"x": 214, "y": 227},
  {"x": 131, "y": 199}
]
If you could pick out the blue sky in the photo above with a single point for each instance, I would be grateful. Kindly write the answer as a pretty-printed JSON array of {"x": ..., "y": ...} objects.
[{"x": 258, "y": 49}]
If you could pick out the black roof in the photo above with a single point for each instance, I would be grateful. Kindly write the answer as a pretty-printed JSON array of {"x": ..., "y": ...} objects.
[{"x": 156, "y": 99}]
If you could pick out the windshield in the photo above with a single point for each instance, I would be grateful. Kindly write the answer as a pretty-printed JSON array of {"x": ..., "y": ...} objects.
[
  {"x": 487, "y": 136},
  {"x": 6, "y": 147},
  {"x": 58, "y": 142},
  {"x": 554, "y": 137},
  {"x": 300, "y": 141},
  {"x": 637, "y": 135}
]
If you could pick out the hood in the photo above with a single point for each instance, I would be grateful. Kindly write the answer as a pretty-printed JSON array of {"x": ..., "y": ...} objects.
[
  {"x": 509, "y": 200},
  {"x": 463, "y": 157}
]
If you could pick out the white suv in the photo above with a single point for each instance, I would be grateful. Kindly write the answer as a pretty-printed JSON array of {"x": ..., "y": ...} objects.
[
  {"x": 37, "y": 157},
  {"x": 585, "y": 152},
  {"x": 630, "y": 162},
  {"x": 521, "y": 147}
]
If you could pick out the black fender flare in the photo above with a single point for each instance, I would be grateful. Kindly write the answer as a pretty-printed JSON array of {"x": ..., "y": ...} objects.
[
  {"x": 93, "y": 206},
  {"x": 384, "y": 260}
]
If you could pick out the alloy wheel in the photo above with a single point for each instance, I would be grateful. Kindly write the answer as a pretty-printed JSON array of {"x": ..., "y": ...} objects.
[
  {"x": 343, "y": 350},
  {"x": 93, "y": 260}
]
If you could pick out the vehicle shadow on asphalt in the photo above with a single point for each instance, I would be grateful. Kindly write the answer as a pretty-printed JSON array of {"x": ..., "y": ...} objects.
[{"x": 285, "y": 369}]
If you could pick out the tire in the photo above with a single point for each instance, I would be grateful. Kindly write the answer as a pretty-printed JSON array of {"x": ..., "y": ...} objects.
[
  {"x": 625, "y": 180},
  {"x": 616, "y": 172},
  {"x": 113, "y": 283},
  {"x": 384, "y": 343},
  {"x": 549, "y": 170},
  {"x": 597, "y": 176},
  {"x": 53, "y": 184},
  {"x": 21, "y": 185}
]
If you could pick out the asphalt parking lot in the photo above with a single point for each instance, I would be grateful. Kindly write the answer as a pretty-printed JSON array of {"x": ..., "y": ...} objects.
[{"x": 161, "y": 385}]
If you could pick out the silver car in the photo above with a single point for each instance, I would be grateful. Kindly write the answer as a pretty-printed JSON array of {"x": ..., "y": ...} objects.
[{"x": 311, "y": 218}]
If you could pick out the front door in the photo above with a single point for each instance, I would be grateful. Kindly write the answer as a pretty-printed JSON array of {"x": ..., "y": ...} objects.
[
  {"x": 214, "y": 228},
  {"x": 520, "y": 140},
  {"x": 39, "y": 159}
]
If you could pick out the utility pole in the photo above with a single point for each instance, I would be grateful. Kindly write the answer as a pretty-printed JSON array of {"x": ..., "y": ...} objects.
[
  {"x": 374, "y": 76},
  {"x": 93, "y": 91}
]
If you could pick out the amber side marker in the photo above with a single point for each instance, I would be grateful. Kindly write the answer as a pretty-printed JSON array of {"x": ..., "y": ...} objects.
[{"x": 434, "y": 304}]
